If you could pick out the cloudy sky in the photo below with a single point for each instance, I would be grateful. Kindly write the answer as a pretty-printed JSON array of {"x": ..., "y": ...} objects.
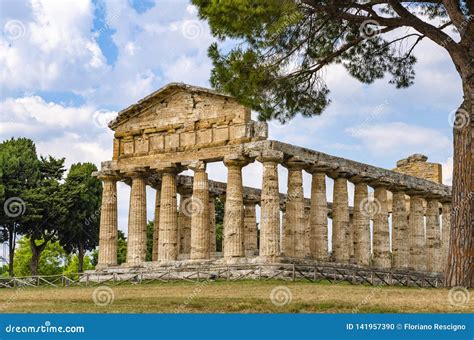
[{"x": 67, "y": 67}]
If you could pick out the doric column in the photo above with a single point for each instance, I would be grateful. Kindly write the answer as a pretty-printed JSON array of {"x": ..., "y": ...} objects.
[
  {"x": 184, "y": 220},
  {"x": 416, "y": 234},
  {"x": 307, "y": 232},
  {"x": 136, "y": 247},
  {"x": 318, "y": 242},
  {"x": 433, "y": 237},
  {"x": 200, "y": 213},
  {"x": 212, "y": 224},
  {"x": 400, "y": 248},
  {"x": 340, "y": 221},
  {"x": 250, "y": 229},
  {"x": 156, "y": 225},
  {"x": 361, "y": 225},
  {"x": 445, "y": 232},
  {"x": 295, "y": 219},
  {"x": 234, "y": 209},
  {"x": 381, "y": 239},
  {"x": 168, "y": 247},
  {"x": 108, "y": 223},
  {"x": 270, "y": 205}
]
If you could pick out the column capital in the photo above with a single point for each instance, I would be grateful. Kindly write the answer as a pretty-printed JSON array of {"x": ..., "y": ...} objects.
[
  {"x": 108, "y": 177},
  {"x": 236, "y": 160},
  {"x": 197, "y": 166},
  {"x": 272, "y": 156},
  {"x": 295, "y": 163},
  {"x": 135, "y": 173}
]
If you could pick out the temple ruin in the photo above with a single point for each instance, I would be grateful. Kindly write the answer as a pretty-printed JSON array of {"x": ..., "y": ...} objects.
[{"x": 181, "y": 127}]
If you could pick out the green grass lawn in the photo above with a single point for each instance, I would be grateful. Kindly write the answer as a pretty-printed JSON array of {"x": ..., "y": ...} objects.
[{"x": 229, "y": 297}]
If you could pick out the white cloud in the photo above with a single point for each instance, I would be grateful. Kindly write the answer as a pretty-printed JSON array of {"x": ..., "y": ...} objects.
[
  {"x": 397, "y": 138},
  {"x": 55, "y": 50},
  {"x": 448, "y": 171}
]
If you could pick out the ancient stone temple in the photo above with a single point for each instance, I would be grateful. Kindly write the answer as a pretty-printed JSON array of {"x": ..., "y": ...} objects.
[{"x": 399, "y": 219}]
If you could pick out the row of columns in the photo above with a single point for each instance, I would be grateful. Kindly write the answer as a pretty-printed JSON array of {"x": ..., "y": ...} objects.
[{"x": 304, "y": 233}]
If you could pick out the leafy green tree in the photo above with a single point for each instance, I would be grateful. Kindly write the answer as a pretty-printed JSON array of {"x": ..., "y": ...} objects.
[
  {"x": 149, "y": 240},
  {"x": 122, "y": 248},
  {"x": 19, "y": 171},
  {"x": 80, "y": 231},
  {"x": 52, "y": 261},
  {"x": 283, "y": 45},
  {"x": 74, "y": 265},
  {"x": 46, "y": 209}
]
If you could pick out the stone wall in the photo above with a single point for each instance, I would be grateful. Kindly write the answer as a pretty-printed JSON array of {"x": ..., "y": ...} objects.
[{"x": 416, "y": 165}]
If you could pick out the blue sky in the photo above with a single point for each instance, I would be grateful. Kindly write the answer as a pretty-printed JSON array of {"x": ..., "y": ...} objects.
[{"x": 67, "y": 67}]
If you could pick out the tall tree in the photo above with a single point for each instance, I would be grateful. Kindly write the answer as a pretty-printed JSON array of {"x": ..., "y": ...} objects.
[
  {"x": 284, "y": 44},
  {"x": 80, "y": 232},
  {"x": 19, "y": 171},
  {"x": 46, "y": 209}
]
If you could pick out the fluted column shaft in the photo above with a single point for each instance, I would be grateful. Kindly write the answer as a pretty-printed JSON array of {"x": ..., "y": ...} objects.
[
  {"x": 200, "y": 214},
  {"x": 433, "y": 237},
  {"x": 250, "y": 229},
  {"x": 184, "y": 222},
  {"x": 156, "y": 225},
  {"x": 400, "y": 247},
  {"x": 361, "y": 225},
  {"x": 234, "y": 210},
  {"x": 168, "y": 246},
  {"x": 381, "y": 230},
  {"x": 108, "y": 223},
  {"x": 270, "y": 207},
  {"x": 318, "y": 242},
  {"x": 340, "y": 221},
  {"x": 307, "y": 232},
  {"x": 416, "y": 234},
  {"x": 212, "y": 225},
  {"x": 445, "y": 233},
  {"x": 295, "y": 217},
  {"x": 136, "y": 247}
]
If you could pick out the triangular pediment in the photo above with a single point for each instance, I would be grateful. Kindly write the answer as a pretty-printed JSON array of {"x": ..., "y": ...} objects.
[{"x": 179, "y": 104}]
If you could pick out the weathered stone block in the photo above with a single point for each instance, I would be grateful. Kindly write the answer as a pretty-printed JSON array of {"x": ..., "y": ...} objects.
[
  {"x": 171, "y": 142},
  {"x": 220, "y": 134},
  {"x": 204, "y": 136}
]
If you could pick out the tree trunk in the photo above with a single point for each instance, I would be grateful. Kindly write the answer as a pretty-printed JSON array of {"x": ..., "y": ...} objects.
[
  {"x": 80, "y": 257},
  {"x": 11, "y": 249},
  {"x": 35, "y": 255},
  {"x": 459, "y": 271}
]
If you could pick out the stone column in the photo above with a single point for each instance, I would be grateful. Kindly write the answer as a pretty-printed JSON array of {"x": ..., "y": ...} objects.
[
  {"x": 156, "y": 225},
  {"x": 234, "y": 209},
  {"x": 318, "y": 242},
  {"x": 108, "y": 223},
  {"x": 307, "y": 232},
  {"x": 200, "y": 213},
  {"x": 212, "y": 225},
  {"x": 400, "y": 248},
  {"x": 361, "y": 225},
  {"x": 381, "y": 239},
  {"x": 184, "y": 220},
  {"x": 250, "y": 229},
  {"x": 136, "y": 247},
  {"x": 446, "y": 218},
  {"x": 295, "y": 219},
  {"x": 270, "y": 205},
  {"x": 416, "y": 234},
  {"x": 168, "y": 247},
  {"x": 433, "y": 237},
  {"x": 340, "y": 221}
]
